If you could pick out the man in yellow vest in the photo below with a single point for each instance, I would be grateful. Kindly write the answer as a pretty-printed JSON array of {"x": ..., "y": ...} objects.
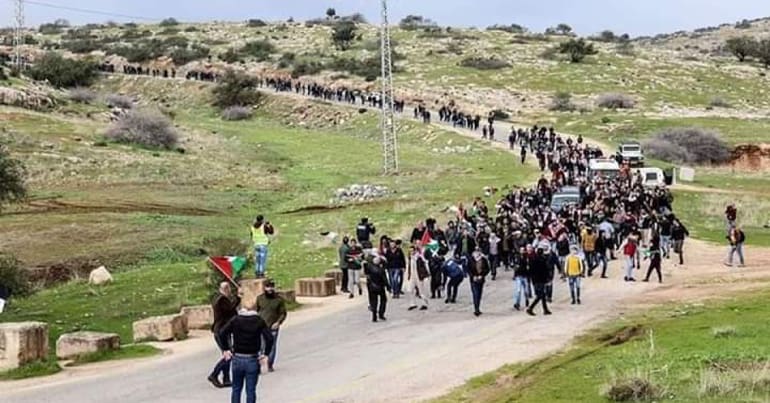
[
  {"x": 260, "y": 237},
  {"x": 573, "y": 267}
]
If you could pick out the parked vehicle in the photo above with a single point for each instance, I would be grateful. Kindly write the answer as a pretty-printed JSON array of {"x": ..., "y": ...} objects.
[
  {"x": 630, "y": 152},
  {"x": 566, "y": 196},
  {"x": 603, "y": 167},
  {"x": 651, "y": 176}
]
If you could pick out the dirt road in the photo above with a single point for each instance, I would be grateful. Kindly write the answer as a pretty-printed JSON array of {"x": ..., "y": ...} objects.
[{"x": 333, "y": 353}]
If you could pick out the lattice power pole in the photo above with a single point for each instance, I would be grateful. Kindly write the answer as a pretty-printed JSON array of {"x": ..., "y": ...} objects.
[
  {"x": 18, "y": 34},
  {"x": 389, "y": 141}
]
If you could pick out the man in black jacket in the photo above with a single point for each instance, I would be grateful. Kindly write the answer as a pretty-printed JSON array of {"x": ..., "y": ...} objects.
[
  {"x": 376, "y": 284},
  {"x": 364, "y": 232},
  {"x": 478, "y": 269},
  {"x": 225, "y": 307},
  {"x": 540, "y": 274},
  {"x": 246, "y": 330}
]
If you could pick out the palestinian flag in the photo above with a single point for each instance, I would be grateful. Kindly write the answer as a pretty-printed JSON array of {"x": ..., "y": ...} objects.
[
  {"x": 230, "y": 266},
  {"x": 428, "y": 242}
]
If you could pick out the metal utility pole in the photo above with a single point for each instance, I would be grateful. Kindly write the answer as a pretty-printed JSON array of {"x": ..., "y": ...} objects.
[
  {"x": 18, "y": 34},
  {"x": 389, "y": 141}
]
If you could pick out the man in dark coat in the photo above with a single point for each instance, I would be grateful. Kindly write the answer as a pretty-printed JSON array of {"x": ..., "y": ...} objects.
[
  {"x": 478, "y": 269},
  {"x": 377, "y": 284},
  {"x": 540, "y": 274},
  {"x": 225, "y": 307}
]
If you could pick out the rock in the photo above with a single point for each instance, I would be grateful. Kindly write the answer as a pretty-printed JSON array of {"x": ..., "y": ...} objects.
[
  {"x": 252, "y": 289},
  {"x": 336, "y": 274},
  {"x": 288, "y": 295},
  {"x": 71, "y": 345},
  {"x": 198, "y": 317},
  {"x": 99, "y": 276},
  {"x": 22, "y": 343},
  {"x": 315, "y": 287},
  {"x": 161, "y": 328}
]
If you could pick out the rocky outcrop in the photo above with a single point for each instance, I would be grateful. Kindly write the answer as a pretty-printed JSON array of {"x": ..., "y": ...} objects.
[
  {"x": 29, "y": 98},
  {"x": 161, "y": 328},
  {"x": 71, "y": 345},
  {"x": 360, "y": 193}
]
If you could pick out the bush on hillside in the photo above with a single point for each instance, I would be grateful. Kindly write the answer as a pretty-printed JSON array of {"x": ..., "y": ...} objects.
[
  {"x": 260, "y": 50},
  {"x": 562, "y": 102},
  {"x": 343, "y": 35},
  {"x": 231, "y": 56},
  {"x": 54, "y": 28},
  {"x": 513, "y": 28},
  {"x": 688, "y": 145},
  {"x": 741, "y": 47},
  {"x": 369, "y": 68},
  {"x": 719, "y": 102},
  {"x": 13, "y": 175},
  {"x": 81, "y": 95},
  {"x": 234, "y": 113},
  {"x": 306, "y": 69},
  {"x": 13, "y": 276},
  {"x": 169, "y": 22},
  {"x": 762, "y": 52},
  {"x": 81, "y": 45},
  {"x": 256, "y": 23},
  {"x": 236, "y": 89},
  {"x": 415, "y": 22},
  {"x": 61, "y": 72},
  {"x": 577, "y": 49},
  {"x": 615, "y": 101},
  {"x": 625, "y": 48},
  {"x": 633, "y": 389},
  {"x": 500, "y": 114},
  {"x": 3, "y": 74},
  {"x": 484, "y": 63},
  {"x": 119, "y": 101},
  {"x": 745, "y": 24},
  {"x": 146, "y": 128},
  {"x": 182, "y": 56}
]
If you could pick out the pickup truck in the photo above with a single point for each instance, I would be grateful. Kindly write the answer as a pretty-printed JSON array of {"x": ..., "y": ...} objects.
[{"x": 630, "y": 152}]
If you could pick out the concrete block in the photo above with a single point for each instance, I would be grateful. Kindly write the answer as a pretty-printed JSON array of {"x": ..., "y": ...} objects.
[
  {"x": 252, "y": 288},
  {"x": 686, "y": 174},
  {"x": 315, "y": 287},
  {"x": 71, "y": 345},
  {"x": 161, "y": 328},
  {"x": 198, "y": 317},
  {"x": 336, "y": 274},
  {"x": 22, "y": 343}
]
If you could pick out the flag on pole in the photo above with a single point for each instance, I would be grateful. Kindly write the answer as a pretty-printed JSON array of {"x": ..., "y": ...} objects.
[
  {"x": 428, "y": 242},
  {"x": 230, "y": 266}
]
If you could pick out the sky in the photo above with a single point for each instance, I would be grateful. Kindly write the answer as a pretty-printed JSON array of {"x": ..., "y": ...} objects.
[{"x": 637, "y": 17}]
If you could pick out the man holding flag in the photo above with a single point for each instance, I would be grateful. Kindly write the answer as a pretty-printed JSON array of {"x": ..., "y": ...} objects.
[{"x": 225, "y": 307}]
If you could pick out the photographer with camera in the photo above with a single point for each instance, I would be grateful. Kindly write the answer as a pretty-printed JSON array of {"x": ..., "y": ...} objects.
[{"x": 260, "y": 234}]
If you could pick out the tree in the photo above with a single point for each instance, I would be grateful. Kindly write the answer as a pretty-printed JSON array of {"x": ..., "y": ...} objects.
[
  {"x": 331, "y": 13},
  {"x": 343, "y": 34},
  {"x": 169, "y": 22},
  {"x": 577, "y": 49},
  {"x": 741, "y": 47},
  {"x": 12, "y": 178},
  {"x": 607, "y": 36},
  {"x": 564, "y": 29},
  {"x": 61, "y": 72},
  {"x": 762, "y": 52},
  {"x": 236, "y": 89}
]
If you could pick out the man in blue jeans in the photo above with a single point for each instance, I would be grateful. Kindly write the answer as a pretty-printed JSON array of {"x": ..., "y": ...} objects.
[
  {"x": 225, "y": 307},
  {"x": 260, "y": 234},
  {"x": 272, "y": 309},
  {"x": 246, "y": 330}
]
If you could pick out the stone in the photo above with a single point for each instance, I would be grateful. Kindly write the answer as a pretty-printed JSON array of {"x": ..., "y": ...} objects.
[
  {"x": 336, "y": 275},
  {"x": 252, "y": 288},
  {"x": 161, "y": 328},
  {"x": 71, "y": 345},
  {"x": 22, "y": 343},
  {"x": 99, "y": 276},
  {"x": 315, "y": 287},
  {"x": 686, "y": 174},
  {"x": 288, "y": 295},
  {"x": 198, "y": 317}
]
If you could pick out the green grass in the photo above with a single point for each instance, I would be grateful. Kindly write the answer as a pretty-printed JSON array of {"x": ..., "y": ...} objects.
[
  {"x": 124, "y": 353},
  {"x": 676, "y": 349},
  {"x": 32, "y": 370}
]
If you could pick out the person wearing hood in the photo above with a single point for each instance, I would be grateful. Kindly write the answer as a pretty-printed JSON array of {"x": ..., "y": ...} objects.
[
  {"x": 478, "y": 269},
  {"x": 271, "y": 307}
]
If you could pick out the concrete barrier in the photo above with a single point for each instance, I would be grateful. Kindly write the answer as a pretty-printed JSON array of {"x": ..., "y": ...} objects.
[
  {"x": 336, "y": 274},
  {"x": 252, "y": 288},
  {"x": 161, "y": 328},
  {"x": 71, "y": 345},
  {"x": 288, "y": 295},
  {"x": 315, "y": 287},
  {"x": 198, "y": 317},
  {"x": 22, "y": 343}
]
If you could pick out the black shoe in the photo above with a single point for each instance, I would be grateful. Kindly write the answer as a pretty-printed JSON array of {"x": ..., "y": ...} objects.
[
  {"x": 344, "y": 291},
  {"x": 412, "y": 308},
  {"x": 603, "y": 276},
  {"x": 214, "y": 381},
  {"x": 423, "y": 308},
  {"x": 382, "y": 318},
  {"x": 530, "y": 313},
  {"x": 646, "y": 280},
  {"x": 477, "y": 314},
  {"x": 547, "y": 313},
  {"x": 631, "y": 279},
  {"x": 516, "y": 307},
  {"x": 360, "y": 291},
  {"x": 350, "y": 296},
  {"x": 578, "y": 302},
  {"x": 374, "y": 319},
  {"x": 227, "y": 384},
  {"x": 573, "y": 302},
  {"x": 270, "y": 369},
  {"x": 446, "y": 301}
]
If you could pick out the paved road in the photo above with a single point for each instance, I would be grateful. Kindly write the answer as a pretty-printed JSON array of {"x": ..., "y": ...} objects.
[{"x": 341, "y": 356}]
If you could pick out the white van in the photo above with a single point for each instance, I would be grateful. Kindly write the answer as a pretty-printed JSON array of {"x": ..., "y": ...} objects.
[
  {"x": 651, "y": 176},
  {"x": 603, "y": 167}
]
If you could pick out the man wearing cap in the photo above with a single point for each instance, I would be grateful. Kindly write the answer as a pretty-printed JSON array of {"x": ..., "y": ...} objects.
[{"x": 271, "y": 307}]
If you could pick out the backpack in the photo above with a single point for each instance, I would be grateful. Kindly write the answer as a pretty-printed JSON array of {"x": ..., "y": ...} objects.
[{"x": 740, "y": 236}]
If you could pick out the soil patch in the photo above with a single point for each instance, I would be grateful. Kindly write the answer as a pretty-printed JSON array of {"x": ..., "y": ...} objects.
[
  {"x": 751, "y": 157},
  {"x": 53, "y": 206},
  {"x": 61, "y": 272},
  {"x": 621, "y": 336}
]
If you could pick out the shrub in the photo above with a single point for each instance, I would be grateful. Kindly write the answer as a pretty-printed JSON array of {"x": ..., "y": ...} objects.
[
  {"x": 236, "y": 89},
  {"x": 182, "y": 56},
  {"x": 762, "y": 52},
  {"x": 81, "y": 95},
  {"x": 562, "y": 102},
  {"x": 719, "y": 102},
  {"x": 237, "y": 113},
  {"x": 415, "y": 22},
  {"x": 724, "y": 332},
  {"x": 230, "y": 56},
  {"x": 577, "y": 49},
  {"x": 369, "y": 68},
  {"x": 500, "y": 114},
  {"x": 119, "y": 101},
  {"x": 306, "y": 69},
  {"x": 625, "y": 48},
  {"x": 256, "y": 23},
  {"x": 688, "y": 145},
  {"x": 3, "y": 74},
  {"x": 633, "y": 389},
  {"x": 615, "y": 101},
  {"x": 513, "y": 28},
  {"x": 169, "y": 22},
  {"x": 745, "y": 24},
  {"x": 81, "y": 46},
  {"x": 145, "y": 50},
  {"x": 145, "y": 128},
  {"x": 343, "y": 34},
  {"x": 741, "y": 47},
  {"x": 12, "y": 179},
  {"x": 13, "y": 276},
  {"x": 484, "y": 63},
  {"x": 260, "y": 50},
  {"x": 61, "y": 72},
  {"x": 550, "y": 53}
]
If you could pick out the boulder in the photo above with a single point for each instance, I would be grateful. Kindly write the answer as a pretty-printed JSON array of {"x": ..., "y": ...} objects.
[
  {"x": 315, "y": 287},
  {"x": 22, "y": 343},
  {"x": 336, "y": 275},
  {"x": 198, "y": 317},
  {"x": 71, "y": 345},
  {"x": 288, "y": 295},
  {"x": 161, "y": 328},
  {"x": 99, "y": 276},
  {"x": 252, "y": 289}
]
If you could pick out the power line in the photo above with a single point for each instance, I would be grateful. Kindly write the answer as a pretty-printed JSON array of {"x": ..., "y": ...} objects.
[{"x": 88, "y": 11}]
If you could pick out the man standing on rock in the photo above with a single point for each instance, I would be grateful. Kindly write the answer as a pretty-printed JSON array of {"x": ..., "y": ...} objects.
[
  {"x": 225, "y": 307},
  {"x": 260, "y": 237},
  {"x": 271, "y": 307}
]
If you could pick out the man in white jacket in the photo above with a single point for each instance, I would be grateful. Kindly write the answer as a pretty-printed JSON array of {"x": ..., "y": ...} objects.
[{"x": 417, "y": 277}]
